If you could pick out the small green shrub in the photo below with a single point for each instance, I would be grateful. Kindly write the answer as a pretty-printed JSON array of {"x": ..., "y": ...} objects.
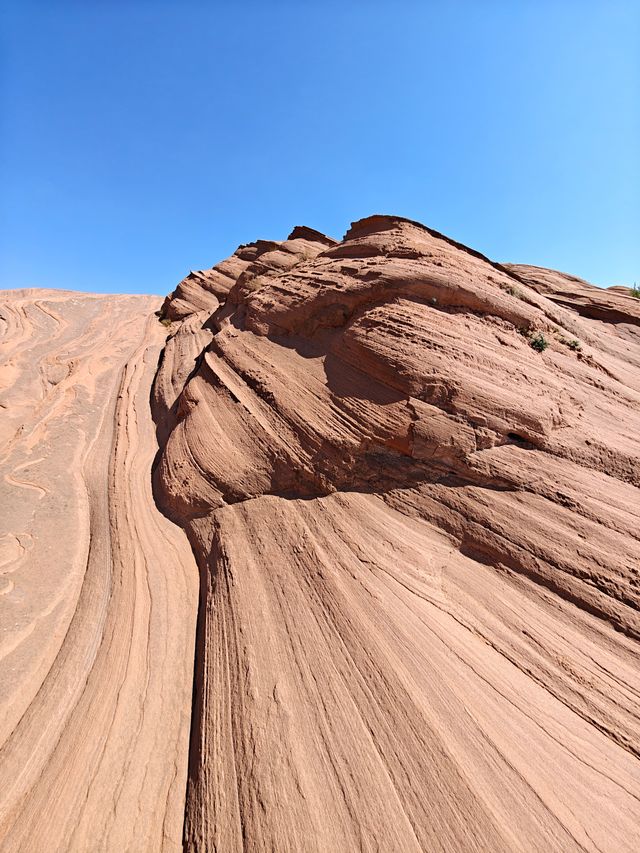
[
  {"x": 166, "y": 321},
  {"x": 574, "y": 345},
  {"x": 635, "y": 291},
  {"x": 538, "y": 342}
]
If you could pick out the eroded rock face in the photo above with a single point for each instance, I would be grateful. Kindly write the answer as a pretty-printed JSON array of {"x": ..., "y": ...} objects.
[
  {"x": 613, "y": 305},
  {"x": 98, "y": 590},
  {"x": 418, "y": 545},
  {"x": 203, "y": 290}
]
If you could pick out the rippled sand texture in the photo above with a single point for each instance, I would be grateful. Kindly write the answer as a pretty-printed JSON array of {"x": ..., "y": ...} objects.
[{"x": 98, "y": 590}]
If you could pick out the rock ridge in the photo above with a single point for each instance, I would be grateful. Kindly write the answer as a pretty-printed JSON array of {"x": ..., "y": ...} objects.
[{"x": 373, "y": 462}]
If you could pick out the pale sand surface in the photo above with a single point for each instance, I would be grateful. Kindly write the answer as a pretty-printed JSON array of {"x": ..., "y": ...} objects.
[{"x": 97, "y": 619}]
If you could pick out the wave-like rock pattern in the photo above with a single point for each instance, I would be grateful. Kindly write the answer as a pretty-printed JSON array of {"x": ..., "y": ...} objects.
[
  {"x": 416, "y": 545},
  {"x": 97, "y": 589}
]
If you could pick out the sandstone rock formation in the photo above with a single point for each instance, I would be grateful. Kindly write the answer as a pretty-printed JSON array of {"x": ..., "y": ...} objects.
[
  {"x": 410, "y": 481},
  {"x": 98, "y": 592}
]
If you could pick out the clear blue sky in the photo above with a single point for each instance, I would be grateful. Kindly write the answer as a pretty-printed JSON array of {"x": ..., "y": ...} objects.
[{"x": 139, "y": 140}]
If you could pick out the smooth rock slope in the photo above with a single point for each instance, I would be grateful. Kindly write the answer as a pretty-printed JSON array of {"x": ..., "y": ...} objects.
[
  {"x": 98, "y": 590},
  {"x": 416, "y": 543}
]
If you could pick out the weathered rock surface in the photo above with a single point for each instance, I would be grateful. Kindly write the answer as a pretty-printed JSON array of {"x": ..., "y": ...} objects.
[
  {"x": 203, "y": 290},
  {"x": 613, "y": 305},
  {"x": 419, "y": 554},
  {"x": 98, "y": 591},
  {"x": 417, "y": 541}
]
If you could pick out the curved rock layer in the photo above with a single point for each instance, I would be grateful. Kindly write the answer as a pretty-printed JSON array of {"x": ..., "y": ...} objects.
[
  {"x": 97, "y": 589},
  {"x": 410, "y": 480},
  {"x": 410, "y": 477}
]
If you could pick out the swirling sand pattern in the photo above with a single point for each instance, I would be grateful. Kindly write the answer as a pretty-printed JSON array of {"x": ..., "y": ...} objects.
[{"x": 96, "y": 654}]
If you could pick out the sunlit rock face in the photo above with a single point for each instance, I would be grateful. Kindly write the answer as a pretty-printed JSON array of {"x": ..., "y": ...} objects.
[
  {"x": 337, "y": 548},
  {"x": 417, "y": 536},
  {"x": 98, "y": 590}
]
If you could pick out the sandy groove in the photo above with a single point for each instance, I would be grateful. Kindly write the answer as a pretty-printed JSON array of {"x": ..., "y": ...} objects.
[{"x": 97, "y": 760}]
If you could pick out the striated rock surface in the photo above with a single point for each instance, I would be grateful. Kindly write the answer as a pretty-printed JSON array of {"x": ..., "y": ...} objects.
[
  {"x": 613, "y": 305},
  {"x": 98, "y": 591},
  {"x": 417, "y": 545},
  {"x": 204, "y": 290},
  {"x": 419, "y": 554}
]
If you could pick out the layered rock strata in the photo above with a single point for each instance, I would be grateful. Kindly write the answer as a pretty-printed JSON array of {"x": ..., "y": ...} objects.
[
  {"x": 404, "y": 615},
  {"x": 418, "y": 546}
]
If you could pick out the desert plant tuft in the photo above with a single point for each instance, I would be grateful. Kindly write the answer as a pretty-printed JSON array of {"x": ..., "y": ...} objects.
[
  {"x": 538, "y": 342},
  {"x": 635, "y": 291},
  {"x": 574, "y": 345},
  {"x": 166, "y": 321}
]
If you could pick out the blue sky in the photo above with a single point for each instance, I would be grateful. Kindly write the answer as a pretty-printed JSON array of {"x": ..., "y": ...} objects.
[{"x": 140, "y": 140}]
